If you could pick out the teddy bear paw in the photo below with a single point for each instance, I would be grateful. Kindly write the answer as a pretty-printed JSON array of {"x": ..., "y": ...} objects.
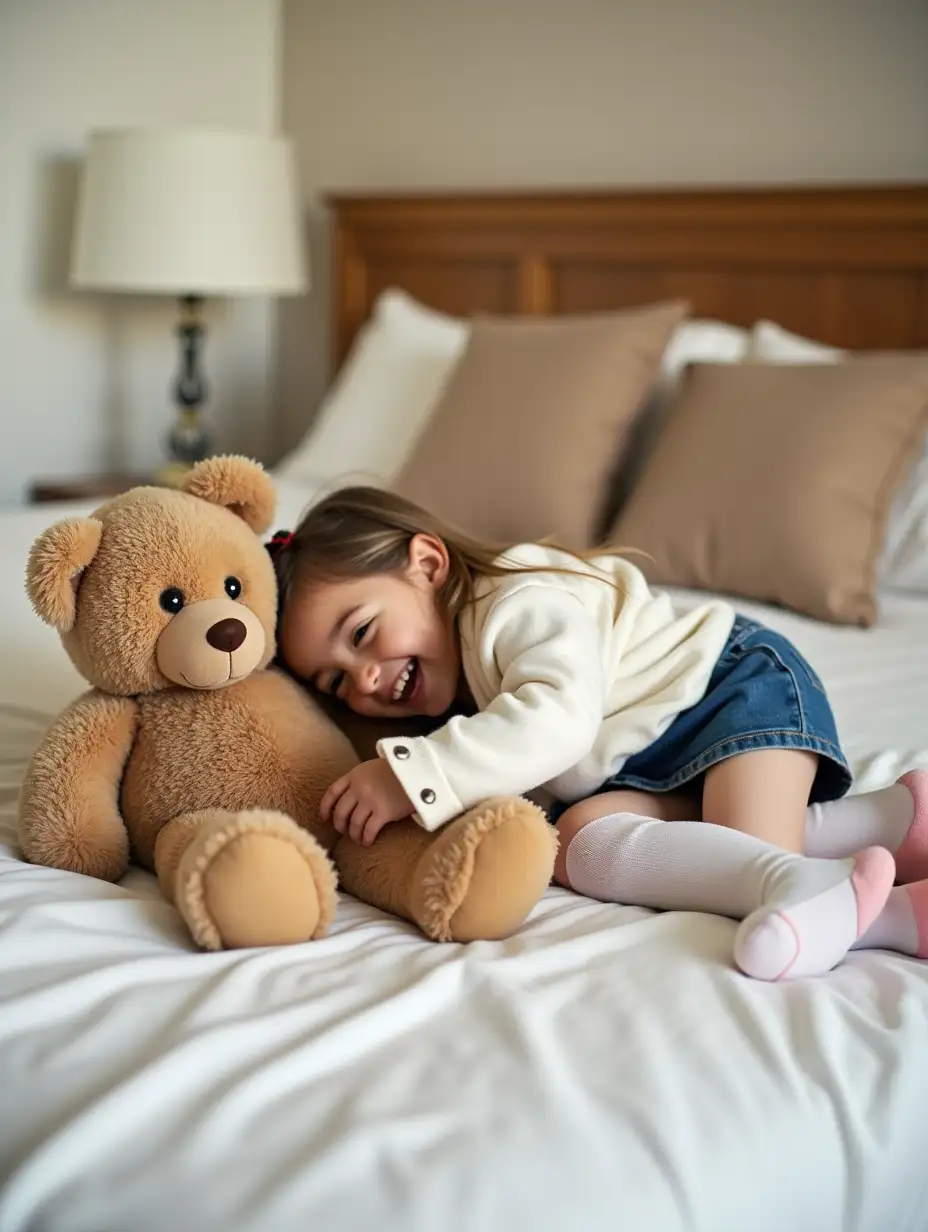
[
  {"x": 255, "y": 879},
  {"x": 485, "y": 872}
]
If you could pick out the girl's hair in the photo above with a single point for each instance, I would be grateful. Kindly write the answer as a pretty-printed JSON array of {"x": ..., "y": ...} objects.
[{"x": 358, "y": 531}]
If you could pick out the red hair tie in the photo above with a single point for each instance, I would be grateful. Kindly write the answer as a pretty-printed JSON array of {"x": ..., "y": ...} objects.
[{"x": 279, "y": 540}]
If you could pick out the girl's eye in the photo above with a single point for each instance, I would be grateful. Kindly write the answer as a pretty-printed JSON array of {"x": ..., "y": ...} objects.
[
  {"x": 337, "y": 681},
  {"x": 360, "y": 632}
]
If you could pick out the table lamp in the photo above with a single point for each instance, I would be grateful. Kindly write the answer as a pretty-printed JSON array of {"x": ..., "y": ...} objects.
[{"x": 190, "y": 213}]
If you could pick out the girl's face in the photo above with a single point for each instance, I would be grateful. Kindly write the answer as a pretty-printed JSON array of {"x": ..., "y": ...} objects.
[{"x": 378, "y": 643}]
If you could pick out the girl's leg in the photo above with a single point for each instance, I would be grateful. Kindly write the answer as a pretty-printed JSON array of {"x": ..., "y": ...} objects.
[
  {"x": 801, "y": 916},
  {"x": 764, "y": 794},
  {"x": 670, "y": 807},
  {"x": 895, "y": 818}
]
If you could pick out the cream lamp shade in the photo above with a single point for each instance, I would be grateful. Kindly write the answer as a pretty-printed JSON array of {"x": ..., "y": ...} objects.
[{"x": 189, "y": 212}]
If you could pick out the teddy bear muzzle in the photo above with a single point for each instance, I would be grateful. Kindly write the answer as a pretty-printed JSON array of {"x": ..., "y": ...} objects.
[{"x": 210, "y": 644}]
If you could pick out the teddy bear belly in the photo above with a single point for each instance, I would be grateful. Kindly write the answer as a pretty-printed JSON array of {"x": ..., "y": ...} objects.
[{"x": 258, "y": 744}]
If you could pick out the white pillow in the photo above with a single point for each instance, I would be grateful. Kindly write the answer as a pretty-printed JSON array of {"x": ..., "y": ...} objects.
[
  {"x": 392, "y": 379},
  {"x": 904, "y": 562},
  {"x": 904, "y": 565},
  {"x": 772, "y": 344},
  {"x": 702, "y": 342}
]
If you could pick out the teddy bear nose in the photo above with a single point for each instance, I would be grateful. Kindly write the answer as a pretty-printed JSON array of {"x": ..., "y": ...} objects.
[{"x": 227, "y": 634}]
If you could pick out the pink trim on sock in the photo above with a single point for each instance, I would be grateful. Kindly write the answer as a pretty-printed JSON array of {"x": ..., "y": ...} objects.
[
  {"x": 872, "y": 880},
  {"x": 912, "y": 856},
  {"x": 768, "y": 942},
  {"x": 918, "y": 897},
  {"x": 792, "y": 962}
]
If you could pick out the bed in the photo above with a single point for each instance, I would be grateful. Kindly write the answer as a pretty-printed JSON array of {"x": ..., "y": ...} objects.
[{"x": 605, "y": 1067}]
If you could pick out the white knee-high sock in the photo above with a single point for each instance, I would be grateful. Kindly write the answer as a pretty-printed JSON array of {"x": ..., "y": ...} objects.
[
  {"x": 895, "y": 928},
  {"x": 895, "y": 818},
  {"x": 800, "y": 916},
  {"x": 881, "y": 818},
  {"x": 902, "y": 925}
]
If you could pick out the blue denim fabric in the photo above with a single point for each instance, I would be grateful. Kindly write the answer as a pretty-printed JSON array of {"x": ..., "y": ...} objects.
[{"x": 761, "y": 695}]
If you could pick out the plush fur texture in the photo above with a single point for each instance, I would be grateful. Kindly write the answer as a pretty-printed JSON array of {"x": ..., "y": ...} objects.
[
  {"x": 154, "y": 540},
  {"x": 480, "y": 879},
  {"x": 58, "y": 558},
  {"x": 236, "y": 484},
  {"x": 69, "y": 806},
  {"x": 217, "y": 786}
]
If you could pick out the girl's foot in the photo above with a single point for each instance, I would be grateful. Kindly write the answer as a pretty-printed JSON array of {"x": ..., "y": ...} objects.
[
  {"x": 902, "y": 925},
  {"x": 810, "y": 933}
]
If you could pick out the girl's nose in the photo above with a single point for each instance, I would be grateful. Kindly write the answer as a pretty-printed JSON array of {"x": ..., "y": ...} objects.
[{"x": 369, "y": 678}]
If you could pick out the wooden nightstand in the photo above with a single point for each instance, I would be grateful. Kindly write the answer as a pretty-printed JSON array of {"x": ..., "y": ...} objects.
[
  {"x": 102, "y": 487},
  {"x": 97, "y": 487}
]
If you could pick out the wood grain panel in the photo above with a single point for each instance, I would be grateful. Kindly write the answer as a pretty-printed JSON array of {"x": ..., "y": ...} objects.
[
  {"x": 847, "y": 265},
  {"x": 460, "y": 288}
]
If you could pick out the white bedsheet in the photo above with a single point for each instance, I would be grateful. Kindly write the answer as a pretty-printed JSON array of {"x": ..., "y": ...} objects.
[{"x": 603, "y": 1069}]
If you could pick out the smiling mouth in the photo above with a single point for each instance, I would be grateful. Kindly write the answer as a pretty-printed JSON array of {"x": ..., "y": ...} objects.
[{"x": 405, "y": 682}]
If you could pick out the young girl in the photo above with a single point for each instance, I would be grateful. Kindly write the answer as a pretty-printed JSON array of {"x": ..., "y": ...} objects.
[{"x": 572, "y": 675}]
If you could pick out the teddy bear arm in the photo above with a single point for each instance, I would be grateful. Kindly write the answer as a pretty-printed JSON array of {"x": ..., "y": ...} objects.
[{"x": 69, "y": 806}]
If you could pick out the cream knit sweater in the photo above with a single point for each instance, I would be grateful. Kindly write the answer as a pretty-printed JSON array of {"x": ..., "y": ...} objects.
[{"x": 572, "y": 674}]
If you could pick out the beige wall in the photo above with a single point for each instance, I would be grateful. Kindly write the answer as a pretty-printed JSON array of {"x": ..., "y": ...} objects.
[
  {"x": 471, "y": 93},
  {"x": 84, "y": 381}
]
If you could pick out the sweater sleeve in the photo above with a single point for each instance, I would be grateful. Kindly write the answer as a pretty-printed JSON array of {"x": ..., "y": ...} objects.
[{"x": 544, "y": 720}]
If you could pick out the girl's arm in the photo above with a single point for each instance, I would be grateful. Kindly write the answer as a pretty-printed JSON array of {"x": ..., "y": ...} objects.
[{"x": 544, "y": 720}]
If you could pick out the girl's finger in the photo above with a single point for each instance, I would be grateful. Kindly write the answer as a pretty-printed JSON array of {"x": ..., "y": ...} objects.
[
  {"x": 372, "y": 828},
  {"x": 359, "y": 819},
  {"x": 333, "y": 793},
  {"x": 346, "y": 802}
]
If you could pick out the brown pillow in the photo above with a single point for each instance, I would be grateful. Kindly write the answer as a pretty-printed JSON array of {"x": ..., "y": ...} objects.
[
  {"x": 527, "y": 434},
  {"x": 774, "y": 481}
]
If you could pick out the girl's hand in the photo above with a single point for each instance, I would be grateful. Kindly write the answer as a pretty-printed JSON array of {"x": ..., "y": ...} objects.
[{"x": 365, "y": 800}]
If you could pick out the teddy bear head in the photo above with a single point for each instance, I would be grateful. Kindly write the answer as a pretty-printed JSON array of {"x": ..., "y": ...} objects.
[{"x": 164, "y": 587}]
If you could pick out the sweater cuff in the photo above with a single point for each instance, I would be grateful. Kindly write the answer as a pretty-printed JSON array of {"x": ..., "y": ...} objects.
[{"x": 415, "y": 764}]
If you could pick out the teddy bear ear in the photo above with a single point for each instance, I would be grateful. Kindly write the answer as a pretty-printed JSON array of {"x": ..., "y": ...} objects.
[
  {"x": 239, "y": 484},
  {"x": 56, "y": 561}
]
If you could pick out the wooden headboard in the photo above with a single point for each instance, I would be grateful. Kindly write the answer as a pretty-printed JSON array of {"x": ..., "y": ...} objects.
[{"x": 848, "y": 266}]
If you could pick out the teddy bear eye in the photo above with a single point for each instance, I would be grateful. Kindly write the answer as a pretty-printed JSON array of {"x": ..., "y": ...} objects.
[
  {"x": 233, "y": 587},
  {"x": 172, "y": 600}
]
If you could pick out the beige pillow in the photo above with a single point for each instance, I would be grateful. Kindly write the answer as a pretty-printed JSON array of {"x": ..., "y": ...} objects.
[
  {"x": 774, "y": 482},
  {"x": 534, "y": 418}
]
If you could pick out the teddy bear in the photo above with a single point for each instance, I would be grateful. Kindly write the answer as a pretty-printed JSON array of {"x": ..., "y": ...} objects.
[{"x": 196, "y": 757}]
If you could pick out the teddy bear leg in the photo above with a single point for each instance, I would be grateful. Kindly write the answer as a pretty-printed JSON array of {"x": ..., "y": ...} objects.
[
  {"x": 251, "y": 878},
  {"x": 383, "y": 874},
  {"x": 475, "y": 879},
  {"x": 485, "y": 872}
]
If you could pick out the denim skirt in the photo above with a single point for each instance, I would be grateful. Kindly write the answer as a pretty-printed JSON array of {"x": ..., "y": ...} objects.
[{"x": 761, "y": 695}]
